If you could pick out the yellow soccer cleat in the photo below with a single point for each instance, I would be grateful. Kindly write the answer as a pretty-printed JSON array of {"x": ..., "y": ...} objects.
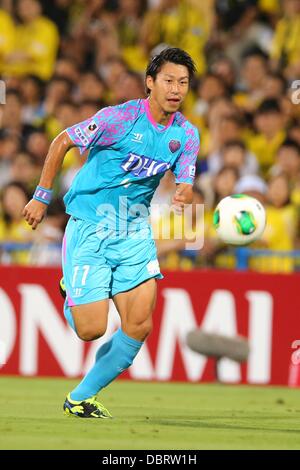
[{"x": 89, "y": 408}]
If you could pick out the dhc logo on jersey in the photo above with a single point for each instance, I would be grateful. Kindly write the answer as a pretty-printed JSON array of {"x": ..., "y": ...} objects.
[{"x": 139, "y": 165}]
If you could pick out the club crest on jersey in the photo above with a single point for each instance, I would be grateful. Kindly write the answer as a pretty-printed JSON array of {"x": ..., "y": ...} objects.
[
  {"x": 91, "y": 128},
  {"x": 174, "y": 145},
  {"x": 141, "y": 166}
]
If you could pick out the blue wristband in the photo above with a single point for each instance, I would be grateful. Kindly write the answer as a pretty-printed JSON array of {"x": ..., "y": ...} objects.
[{"x": 43, "y": 195}]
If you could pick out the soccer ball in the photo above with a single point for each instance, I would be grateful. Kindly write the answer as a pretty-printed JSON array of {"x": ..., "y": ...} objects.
[{"x": 239, "y": 219}]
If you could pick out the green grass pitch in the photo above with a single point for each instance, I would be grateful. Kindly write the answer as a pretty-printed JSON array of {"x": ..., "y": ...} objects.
[{"x": 150, "y": 416}]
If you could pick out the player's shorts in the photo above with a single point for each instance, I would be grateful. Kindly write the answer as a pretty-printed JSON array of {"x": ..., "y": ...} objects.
[{"x": 98, "y": 263}]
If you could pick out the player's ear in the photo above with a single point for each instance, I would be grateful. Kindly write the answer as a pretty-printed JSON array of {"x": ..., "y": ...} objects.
[{"x": 149, "y": 82}]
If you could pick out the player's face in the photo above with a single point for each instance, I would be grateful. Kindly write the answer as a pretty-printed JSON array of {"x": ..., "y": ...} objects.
[{"x": 170, "y": 86}]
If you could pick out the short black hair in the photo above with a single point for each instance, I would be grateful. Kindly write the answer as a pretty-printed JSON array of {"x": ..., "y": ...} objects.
[
  {"x": 66, "y": 102},
  {"x": 268, "y": 106},
  {"x": 15, "y": 93},
  {"x": 290, "y": 143},
  {"x": 13, "y": 184},
  {"x": 236, "y": 119},
  {"x": 170, "y": 54},
  {"x": 254, "y": 51},
  {"x": 234, "y": 143},
  {"x": 278, "y": 76}
]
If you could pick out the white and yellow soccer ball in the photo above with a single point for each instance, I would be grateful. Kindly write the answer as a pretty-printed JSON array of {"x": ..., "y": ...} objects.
[{"x": 239, "y": 219}]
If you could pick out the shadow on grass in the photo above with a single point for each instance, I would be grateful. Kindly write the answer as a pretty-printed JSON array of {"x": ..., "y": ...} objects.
[{"x": 202, "y": 424}]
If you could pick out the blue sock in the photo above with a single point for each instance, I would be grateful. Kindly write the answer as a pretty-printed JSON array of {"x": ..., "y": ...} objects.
[
  {"x": 68, "y": 315},
  {"x": 112, "y": 359}
]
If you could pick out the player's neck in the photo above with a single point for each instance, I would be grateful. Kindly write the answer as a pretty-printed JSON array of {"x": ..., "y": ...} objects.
[{"x": 157, "y": 113}]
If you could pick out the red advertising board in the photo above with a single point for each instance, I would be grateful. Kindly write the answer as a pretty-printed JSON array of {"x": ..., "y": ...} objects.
[{"x": 36, "y": 340}]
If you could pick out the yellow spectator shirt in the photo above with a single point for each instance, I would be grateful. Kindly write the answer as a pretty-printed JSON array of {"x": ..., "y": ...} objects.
[
  {"x": 265, "y": 150},
  {"x": 7, "y": 33},
  {"x": 185, "y": 27},
  {"x": 39, "y": 40},
  {"x": 16, "y": 232},
  {"x": 286, "y": 43}
]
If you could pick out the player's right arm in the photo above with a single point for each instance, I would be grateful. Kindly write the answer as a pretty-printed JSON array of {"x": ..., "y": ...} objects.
[
  {"x": 102, "y": 130},
  {"x": 35, "y": 210}
]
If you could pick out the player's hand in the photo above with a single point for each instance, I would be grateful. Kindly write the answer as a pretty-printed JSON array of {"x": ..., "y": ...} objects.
[
  {"x": 182, "y": 196},
  {"x": 178, "y": 203},
  {"x": 34, "y": 212}
]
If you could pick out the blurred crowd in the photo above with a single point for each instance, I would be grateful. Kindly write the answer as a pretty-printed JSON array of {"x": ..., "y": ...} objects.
[{"x": 62, "y": 61}]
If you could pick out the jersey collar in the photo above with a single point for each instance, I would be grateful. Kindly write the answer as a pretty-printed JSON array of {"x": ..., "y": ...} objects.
[{"x": 153, "y": 122}]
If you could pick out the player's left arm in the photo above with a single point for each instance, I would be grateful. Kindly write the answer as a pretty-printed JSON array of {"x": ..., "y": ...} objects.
[{"x": 185, "y": 169}]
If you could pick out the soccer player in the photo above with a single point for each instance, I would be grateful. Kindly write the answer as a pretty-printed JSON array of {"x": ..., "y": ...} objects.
[{"x": 108, "y": 250}]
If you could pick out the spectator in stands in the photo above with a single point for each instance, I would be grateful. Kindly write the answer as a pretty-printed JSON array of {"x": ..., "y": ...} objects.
[
  {"x": 67, "y": 68},
  {"x": 94, "y": 37},
  {"x": 224, "y": 68},
  {"x": 11, "y": 118},
  {"x": 288, "y": 110},
  {"x": 36, "y": 43},
  {"x": 128, "y": 25},
  {"x": 88, "y": 108},
  {"x": 215, "y": 187},
  {"x": 111, "y": 70},
  {"x": 270, "y": 133},
  {"x": 7, "y": 31},
  {"x": 26, "y": 170},
  {"x": 183, "y": 23},
  {"x": 286, "y": 46},
  {"x": 238, "y": 28},
  {"x": 223, "y": 185},
  {"x": 253, "y": 185},
  {"x": 225, "y": 129},
  {"x": 235, "y": 154},
  {"x": 9, "y": 146},
  {"x": 294, "y": 132},
  {"x": 66, "y": 114},
  {"x": 13, "y": 228},
  {"x": 58, "y": 89},
  {"x": 209, "y": 88},
  {"x": 253, "y": 76},
  {"x": 31, "y": 89},
  {"x": 281, "y": 229},
  {"x": 288, "y": 163},
  {"x": 287, "y": 160},
  {"x": 274, "y": 86},
  {"x": 59, "y": 12},
  {"x": 90, "y": 87},
  {"x": 130, "y": 86},
  {"x": 37, "y": 145},
  {"x": 219, "y": 108}
]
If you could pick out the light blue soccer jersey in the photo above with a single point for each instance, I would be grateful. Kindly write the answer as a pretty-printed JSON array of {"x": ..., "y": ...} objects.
[{"x": 128, "y": 155}]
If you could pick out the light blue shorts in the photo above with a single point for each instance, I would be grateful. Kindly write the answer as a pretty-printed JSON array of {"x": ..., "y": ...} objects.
[{"x": 98, "y": 263}]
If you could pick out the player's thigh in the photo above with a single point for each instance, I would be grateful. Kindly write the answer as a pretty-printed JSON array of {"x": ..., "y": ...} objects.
[
  {"x": 135, "y": 308},
  {"x": 138, "y": 262},
  {"x": 91, "y": 319},
  {"x": 87, "y": 296},
  {"x": 87, "y": 276}
]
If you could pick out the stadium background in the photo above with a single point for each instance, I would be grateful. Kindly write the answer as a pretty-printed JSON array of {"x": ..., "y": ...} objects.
[{"x": 60, "y": 62}]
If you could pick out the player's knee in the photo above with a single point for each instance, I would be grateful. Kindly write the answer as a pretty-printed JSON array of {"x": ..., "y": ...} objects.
[
  {"x": 145, "y": 329},
  {"x": 140, "y": 331},
  {"x": 90, "y": 333}
]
